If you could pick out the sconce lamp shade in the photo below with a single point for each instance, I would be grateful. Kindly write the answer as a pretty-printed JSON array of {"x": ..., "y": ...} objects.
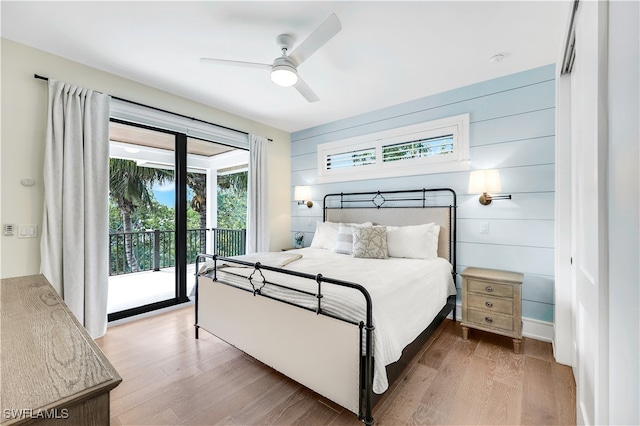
[
  {"x": 482, "y": 181},
  {"x": 302, "y": 194}
]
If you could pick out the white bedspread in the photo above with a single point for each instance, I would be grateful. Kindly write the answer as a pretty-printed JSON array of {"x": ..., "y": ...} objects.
[{"x": 407, "y": 294}]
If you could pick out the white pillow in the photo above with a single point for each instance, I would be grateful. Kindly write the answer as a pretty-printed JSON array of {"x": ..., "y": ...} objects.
[
  {"x": 344, "y": 240},
  {"x": 325, "y": 236},
  {"x": 414, "y": 242}
]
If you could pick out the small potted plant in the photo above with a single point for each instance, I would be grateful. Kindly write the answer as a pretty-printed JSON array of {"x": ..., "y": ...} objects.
[{"x": 299, "y": 239}]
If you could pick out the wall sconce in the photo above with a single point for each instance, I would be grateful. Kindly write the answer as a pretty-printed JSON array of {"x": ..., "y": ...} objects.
[
  {"x": 302, "y": 194},
  {"x": 485, "y": 181}
]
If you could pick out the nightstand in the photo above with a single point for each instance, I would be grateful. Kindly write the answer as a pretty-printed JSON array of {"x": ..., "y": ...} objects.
[{"x": 492, "y": 301}]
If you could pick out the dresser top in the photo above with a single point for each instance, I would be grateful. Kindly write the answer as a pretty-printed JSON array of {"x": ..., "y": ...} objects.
[
  {"x": 493, "y": 275},
  {"x": 46, "y": 357}
]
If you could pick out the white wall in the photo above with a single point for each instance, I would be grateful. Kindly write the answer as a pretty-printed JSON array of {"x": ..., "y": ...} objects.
[
  {"x": 624, "y": 212},
  {"x": 512, "y": 128},
  {"x": 23, "y": 129}
]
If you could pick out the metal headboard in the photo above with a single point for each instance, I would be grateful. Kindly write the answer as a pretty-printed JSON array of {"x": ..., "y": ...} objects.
[{"x": 399, "y": 208}]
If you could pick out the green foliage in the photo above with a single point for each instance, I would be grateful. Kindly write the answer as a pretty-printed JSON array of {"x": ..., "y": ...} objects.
[
  {"x": 159, "y": 216},
  {"x": 232, "y": 201},
  {"x": 137, "y": 203}
]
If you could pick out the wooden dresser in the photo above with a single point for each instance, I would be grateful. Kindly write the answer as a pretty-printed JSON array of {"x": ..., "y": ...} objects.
[
  {"x": 492, "y": 301},
  {"x": 51, "y": 370}
]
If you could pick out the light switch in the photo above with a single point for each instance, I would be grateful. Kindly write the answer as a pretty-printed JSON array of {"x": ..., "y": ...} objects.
[
  {"x": 484, "y": 227},
  {"x": 27, "y": 231}
]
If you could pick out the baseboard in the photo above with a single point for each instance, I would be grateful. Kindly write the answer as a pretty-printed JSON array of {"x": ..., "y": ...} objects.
[
  {"x": 148, "y": 314},
  {"x": 531, "y": 328},
  {"x": 536, "y": 329}
]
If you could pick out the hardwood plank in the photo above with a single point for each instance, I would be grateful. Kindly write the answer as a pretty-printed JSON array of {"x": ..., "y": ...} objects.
[
  {"x": 438, "y": 350},
  {"x": 450, "y": 381},
  {"x": 423, "y": 415},
  {"x": 254, "y": 377},
  {"x": 564, "y": 385},
  {"x": 441, "y": 394},
  {"x": 229, "y": 374},
  {"x": 408, "y": 396},
  {"x": 537, "y": 349},
  {"x": 474, "y": 390},
  {"x": 164, "y": 417},
  {"x": 301, "y": 408},
  {"x": 503, "y": 406},
  {"x": 539, "y": 402},
  {"x": 346, "y": 418},
  {"x": 509, "y": 365},
  {"x": 220, "y": 406},
  {"x": 257, "y": 411},
  {"x": 121, "y": 404}
]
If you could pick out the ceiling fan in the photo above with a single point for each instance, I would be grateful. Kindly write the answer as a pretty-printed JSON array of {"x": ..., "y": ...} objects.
[{"x": 284, "y": 70}]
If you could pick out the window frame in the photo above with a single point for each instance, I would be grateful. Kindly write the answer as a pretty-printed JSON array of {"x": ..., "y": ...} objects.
[{"x": 457, "y": 126}]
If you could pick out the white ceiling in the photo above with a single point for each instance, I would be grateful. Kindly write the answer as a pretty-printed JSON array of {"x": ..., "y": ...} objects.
[{"x": 387, "y": 52}]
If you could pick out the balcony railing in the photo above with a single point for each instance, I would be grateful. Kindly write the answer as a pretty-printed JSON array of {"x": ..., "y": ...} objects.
[{"x": 154, "y": 250}]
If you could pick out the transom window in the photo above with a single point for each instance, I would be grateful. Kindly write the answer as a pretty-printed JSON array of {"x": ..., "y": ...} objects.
[
  {"x": 362, "y": 157},
  {"x": 432, "y": 147}
]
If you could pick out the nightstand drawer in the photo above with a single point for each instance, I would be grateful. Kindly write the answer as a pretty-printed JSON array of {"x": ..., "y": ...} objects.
[
  {"x": 490, "y": 304},
  {"x": 493, "y": 289},
  {"x": 489, "y": 319}
]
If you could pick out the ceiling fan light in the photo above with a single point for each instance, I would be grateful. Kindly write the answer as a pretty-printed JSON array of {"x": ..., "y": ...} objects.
[{"x": 284, "y": 75}]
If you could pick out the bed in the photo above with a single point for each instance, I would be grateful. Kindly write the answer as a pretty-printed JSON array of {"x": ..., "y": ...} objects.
[{"x": 346, "y": 315}]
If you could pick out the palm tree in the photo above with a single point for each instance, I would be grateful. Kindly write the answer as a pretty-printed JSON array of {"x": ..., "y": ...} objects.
[
  {"x": 129, "y": 188},
  {"x": 198, "y": 183}
]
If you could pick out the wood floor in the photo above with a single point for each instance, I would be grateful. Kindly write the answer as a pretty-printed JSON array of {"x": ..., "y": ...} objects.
[{"x": 170, "y": 378}]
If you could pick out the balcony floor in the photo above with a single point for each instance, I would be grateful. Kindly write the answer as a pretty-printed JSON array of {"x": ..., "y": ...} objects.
[{"x": 141, "y": 288}]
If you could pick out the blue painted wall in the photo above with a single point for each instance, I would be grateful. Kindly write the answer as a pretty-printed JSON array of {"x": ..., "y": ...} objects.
[{"x": 512, "y": 128}]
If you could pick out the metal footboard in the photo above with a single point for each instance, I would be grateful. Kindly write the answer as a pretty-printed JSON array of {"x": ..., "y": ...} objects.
[{"x": 366, "y": 367}]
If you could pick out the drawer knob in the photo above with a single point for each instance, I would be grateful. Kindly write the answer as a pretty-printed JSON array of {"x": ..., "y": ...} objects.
[
  {"x": 488, "y": 319},
  {"x": 489, "y": 288},
  {"x": 489, "y": 304}
]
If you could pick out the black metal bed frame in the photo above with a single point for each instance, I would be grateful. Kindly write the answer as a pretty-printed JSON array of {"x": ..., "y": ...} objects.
[{"x": 367, "y": 397}]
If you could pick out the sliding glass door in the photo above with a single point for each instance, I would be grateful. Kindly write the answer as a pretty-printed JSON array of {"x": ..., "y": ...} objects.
[
  {"x": 143, "y": 241},
  {"x": 163, "y": 209}
]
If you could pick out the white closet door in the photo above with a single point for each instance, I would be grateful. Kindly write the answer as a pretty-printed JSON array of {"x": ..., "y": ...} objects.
[{"x": 589, "y": 238}]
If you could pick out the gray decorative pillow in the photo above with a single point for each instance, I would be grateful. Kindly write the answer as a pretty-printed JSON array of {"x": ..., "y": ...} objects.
[
  {"x": 344, "y": 240},
  {"x": 370, "y": 242}
]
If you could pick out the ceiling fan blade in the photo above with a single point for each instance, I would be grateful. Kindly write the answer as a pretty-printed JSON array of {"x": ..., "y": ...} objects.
[
  {"x": 316, "y": 39},
  {"x": 306, "y": 91},
  {"x": 235, "y": 63}
]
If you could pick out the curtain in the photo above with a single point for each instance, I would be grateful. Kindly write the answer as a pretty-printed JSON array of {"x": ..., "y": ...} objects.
[
  {"x": 75, "y": 230},
  {"x": 257, "y": 197}
]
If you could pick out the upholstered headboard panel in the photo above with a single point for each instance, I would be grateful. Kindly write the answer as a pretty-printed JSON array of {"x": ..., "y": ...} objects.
[
  {"x": 399, "y": 208},
  {"x": 399, "y": 216}
]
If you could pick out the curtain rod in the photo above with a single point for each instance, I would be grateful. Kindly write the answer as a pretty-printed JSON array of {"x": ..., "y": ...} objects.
[{"x": 164, "y": 110}]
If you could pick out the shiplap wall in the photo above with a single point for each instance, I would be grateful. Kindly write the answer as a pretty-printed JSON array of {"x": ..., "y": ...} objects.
[{"x": 512, "y": 128}]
